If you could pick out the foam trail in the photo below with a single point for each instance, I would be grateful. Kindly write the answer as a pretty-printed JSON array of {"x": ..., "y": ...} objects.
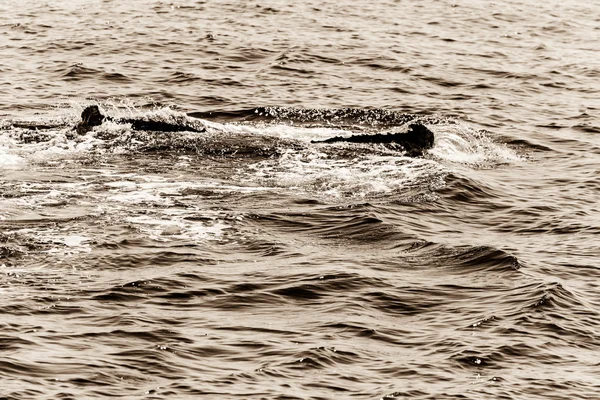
[
  {"x": 8, "y": 160},
  {"x": 463, "y": 145}
]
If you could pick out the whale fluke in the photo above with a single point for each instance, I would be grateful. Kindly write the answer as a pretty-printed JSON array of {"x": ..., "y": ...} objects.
[
  {"x": 415, "y": 141},
  {"x": 91, "y": 116}
]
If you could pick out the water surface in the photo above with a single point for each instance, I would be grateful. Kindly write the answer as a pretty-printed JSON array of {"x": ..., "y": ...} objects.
[{"x": 247, "y": 262}]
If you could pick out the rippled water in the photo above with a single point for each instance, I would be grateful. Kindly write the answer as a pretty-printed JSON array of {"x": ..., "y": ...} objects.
[{"x": 245, "y": 261}]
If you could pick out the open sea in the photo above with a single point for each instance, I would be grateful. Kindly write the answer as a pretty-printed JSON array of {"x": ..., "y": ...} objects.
[{"x": 245, "y": 261}]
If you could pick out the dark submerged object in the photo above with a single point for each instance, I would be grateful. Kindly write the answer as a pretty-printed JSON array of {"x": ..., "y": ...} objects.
[
  {"x": 414, "y": 141},
  {"x": 91, "y": 116}
]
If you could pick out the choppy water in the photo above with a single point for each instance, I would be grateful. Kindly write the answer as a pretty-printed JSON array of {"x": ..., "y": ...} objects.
[{"x": 247, "y": 262}]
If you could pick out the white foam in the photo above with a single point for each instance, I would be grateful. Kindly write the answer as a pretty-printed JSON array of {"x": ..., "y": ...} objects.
[
  {"x": 304, "y": 134},
  {"x": 363, "y": 176},
  {"x": 7, "y": 159},
  {"x": 146, "y": 189},
  {"x": 63, "y": 244},
  {"x": 122, "y": 184},
  {"x": 74, "y": 240},
  {"x": 138, "y": 197},
  {"x": 57, "y": 147},
  {"x": 177, "y": 228},
  {"x": 461, "y": 144}
]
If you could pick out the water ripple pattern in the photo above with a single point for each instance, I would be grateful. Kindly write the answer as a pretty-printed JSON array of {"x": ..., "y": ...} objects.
[{"x": 238, "y": 258}]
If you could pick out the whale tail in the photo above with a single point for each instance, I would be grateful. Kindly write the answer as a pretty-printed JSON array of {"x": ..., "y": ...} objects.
[{"x": 415, "y": 141}]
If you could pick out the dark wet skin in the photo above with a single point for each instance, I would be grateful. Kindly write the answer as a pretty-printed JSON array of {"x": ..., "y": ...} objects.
[
  {"x": 91, "y": 116},
  {"x": 415, "y": 141}
]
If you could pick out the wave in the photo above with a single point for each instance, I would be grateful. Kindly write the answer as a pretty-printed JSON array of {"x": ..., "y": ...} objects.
[{"x": 79, "y": 72}]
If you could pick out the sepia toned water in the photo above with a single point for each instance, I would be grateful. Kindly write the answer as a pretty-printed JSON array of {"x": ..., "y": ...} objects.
[{"x": 245, "y": 262}]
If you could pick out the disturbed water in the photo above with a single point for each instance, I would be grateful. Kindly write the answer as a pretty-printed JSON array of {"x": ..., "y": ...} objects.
[{"x": 245, "y": 261}]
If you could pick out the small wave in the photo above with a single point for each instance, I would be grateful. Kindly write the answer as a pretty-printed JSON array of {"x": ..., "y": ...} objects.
[
  {"x": 493, "y": 358},
  {"x": 180, "y": 77},
  {"x": 326, "y": 224},
  {"x": 78, "y": 72},
  {"x": 472, "y": 259}
]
